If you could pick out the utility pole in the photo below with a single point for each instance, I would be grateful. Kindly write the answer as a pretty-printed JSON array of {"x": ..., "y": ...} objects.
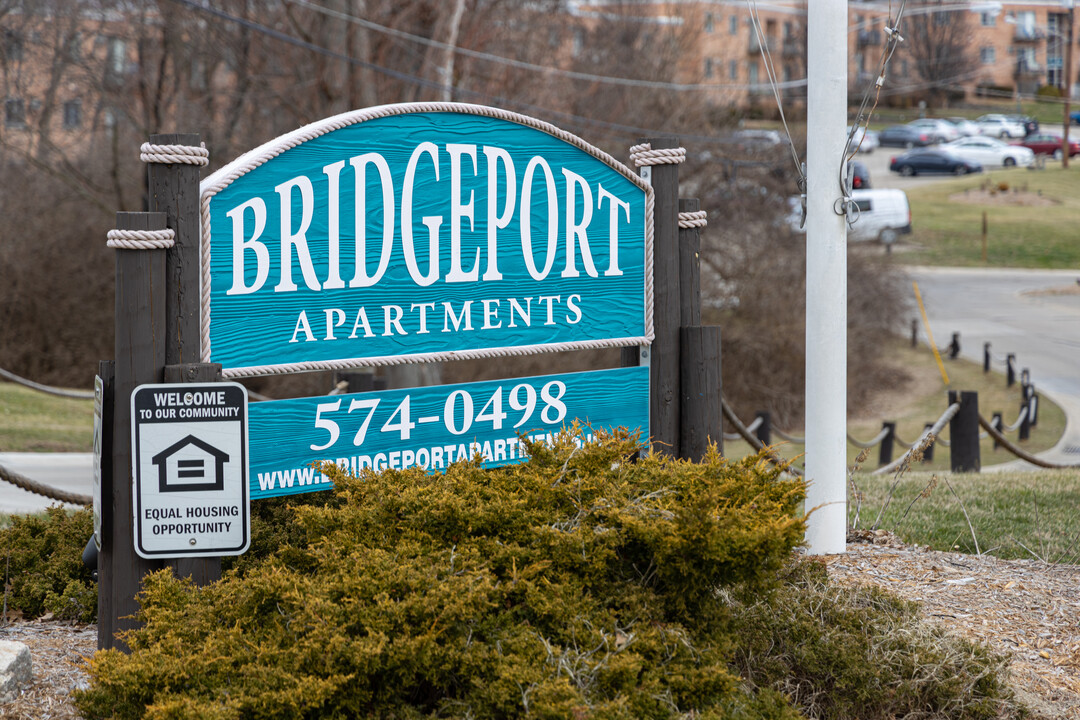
[
  {"x": 826, "y": 278},
  {"x": 1068, "y": 88}
]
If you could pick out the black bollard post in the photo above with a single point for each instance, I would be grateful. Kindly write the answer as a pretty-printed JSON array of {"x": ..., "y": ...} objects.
[
  {"x": 1025, "y": 424},
  {"x": 885, "y": 452},
  {"x": 928, "y": 453},
  {"x": 998, "y": 422},
  {"x": 915, "y": 333},
  {"x": 964, "y": 432},
  {"x": 986, "y": 357},
  {"x": 764, "y": 429},
  {"x": 954, "y": 346},
  {"x": 1010, "y": 370}
]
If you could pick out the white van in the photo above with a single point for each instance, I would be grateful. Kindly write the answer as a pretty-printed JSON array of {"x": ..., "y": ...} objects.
[{"x": 882, "y": 215}]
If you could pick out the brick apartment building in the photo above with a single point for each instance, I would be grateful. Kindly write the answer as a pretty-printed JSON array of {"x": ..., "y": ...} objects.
[{"x": 62, "y": 77}]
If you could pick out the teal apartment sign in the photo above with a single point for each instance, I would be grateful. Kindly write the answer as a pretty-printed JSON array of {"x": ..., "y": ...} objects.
[
  {"x": 432, "y": 427},
  {"x": 413, "y": 233}
]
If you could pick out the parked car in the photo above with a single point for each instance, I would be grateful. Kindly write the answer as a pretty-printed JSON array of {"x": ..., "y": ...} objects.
[
  {"x": 859, "y": 174},
  {"x": 942, "y": 130},
  {"x": 965, "y": 127},
  {"x": 989, "y": 151},
  {"x": 1049, "y": 144},
  {"x": 881, "y": 215},
  {"x": 1031, "y": 125},
  {"x": 932, "y": 160},
  {"x": 864, "y": 141},
  {"x": 1000, "y": 126},
  {"x": 904, "y": 136},
  {"x": 757, "y": 139},
  {"x": 1074, "y": 117}
]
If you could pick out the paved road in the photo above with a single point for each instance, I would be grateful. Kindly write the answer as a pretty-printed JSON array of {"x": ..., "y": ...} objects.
[
  {"x": 1034, "y": 314},
  {"x": 67, "y": 471}
]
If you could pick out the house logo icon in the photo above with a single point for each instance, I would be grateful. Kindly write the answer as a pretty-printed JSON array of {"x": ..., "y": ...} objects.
[{"x": 190, "y": 465}]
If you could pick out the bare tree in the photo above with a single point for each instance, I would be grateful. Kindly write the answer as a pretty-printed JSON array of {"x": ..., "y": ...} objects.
[{"x": 938, "y": 44}]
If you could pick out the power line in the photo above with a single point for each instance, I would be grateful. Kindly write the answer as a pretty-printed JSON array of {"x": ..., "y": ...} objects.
[
  {"x": 569, "y": 118},
  {"x": 546, "y": 69}
]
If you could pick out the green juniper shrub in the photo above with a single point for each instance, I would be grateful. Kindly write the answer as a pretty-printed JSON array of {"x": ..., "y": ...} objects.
[
  {"x": 857, "y": 652},
  {"x": 580, "y": 584},
  {"x": 41, "y": 558}
]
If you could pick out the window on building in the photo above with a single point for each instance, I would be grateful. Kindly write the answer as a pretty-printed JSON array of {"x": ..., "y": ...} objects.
[
  {"x": 708, "y": 67},
  {"x": 733, "y": 70},
  {"x": 116, "y": 59},
  {"x": 733, "y": 25},
  {"x": 73, "y": 47},
  {"x": 15, "y": 112},
  {"x": 987, "y": 55},
  {"x": 72, "y": 114},
  {"x": 13, "y": 46},
  {"x": 988, "y": 19},
  {"x": 903, "y": 68},
  {"x": 710, "y": 21},
  {"x": 752, "y": 72}
]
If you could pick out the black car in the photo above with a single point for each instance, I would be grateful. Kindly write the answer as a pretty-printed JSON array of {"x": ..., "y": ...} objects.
[
  {"x": 905, "y": 137},
  {"x": 932, "y": 161},
  {"x": 1031, "y": 125}
]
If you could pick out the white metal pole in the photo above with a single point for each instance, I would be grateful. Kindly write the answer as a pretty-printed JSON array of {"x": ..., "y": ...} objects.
[{"x": 826, "y": 278}]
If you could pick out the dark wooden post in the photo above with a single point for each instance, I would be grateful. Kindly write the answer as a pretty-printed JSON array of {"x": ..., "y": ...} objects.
[
  {"x": 928, "y": 453},
  {"x": 885, "y": 451},
  {"x": 356, "y": 380},
  {"x": 700, "y": 411},
  {"x": 764, "y": 428},
  {"x": 1025, "y": 424},
  {"x": 202, "y": 571},
  {"x": 1010, "y": 370},
  {"x": 915, "y": 332},
  {"x": 107, "y": 373},
  {"x": 986, "y": 357},
  {"x": 174, "y": 190},
  {"x": 954, "y": 346},
  {"x": 140, "y": 357},
  {"x": 699, "y": 346},
  {"x": 689, "y": 268},
  {"x": 964, "y": 432},
  {"x": 998, "y": 422},
  {"x": 665, "y": 394}
]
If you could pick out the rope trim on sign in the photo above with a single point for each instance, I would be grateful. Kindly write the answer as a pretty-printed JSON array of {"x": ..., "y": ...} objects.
[
  {"x": 643, "y": 154},
  {"x": 21, "y": 481},
  {"x": 260, "y": 155},
  {"x": 141, "y": 239},
  {"x": 346, "y": 364},
  {"x": 174, "y": 154},
  {"x": 697, "y": 219},
  {"x": 59, "y": 392}
]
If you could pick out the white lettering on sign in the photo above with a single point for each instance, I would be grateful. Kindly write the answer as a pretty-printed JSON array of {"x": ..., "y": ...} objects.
[
  {"x": 466, "y": 316},
  {"x": 495, "y": 165}
]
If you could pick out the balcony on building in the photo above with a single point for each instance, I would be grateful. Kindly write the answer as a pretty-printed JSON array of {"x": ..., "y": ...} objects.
[{"x": 1026, "y": 34}]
